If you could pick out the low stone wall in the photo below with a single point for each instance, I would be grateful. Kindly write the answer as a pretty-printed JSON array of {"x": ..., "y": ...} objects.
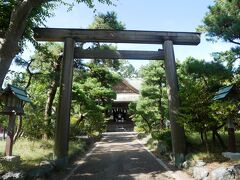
[{"x": 200, "y": 171}]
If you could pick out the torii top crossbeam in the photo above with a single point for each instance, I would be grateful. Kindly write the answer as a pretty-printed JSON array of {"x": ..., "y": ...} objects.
[{"x": 113, "y": 36}]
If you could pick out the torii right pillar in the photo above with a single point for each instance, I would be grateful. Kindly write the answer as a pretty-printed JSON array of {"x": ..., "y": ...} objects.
[{"x": 177, "y": 131}]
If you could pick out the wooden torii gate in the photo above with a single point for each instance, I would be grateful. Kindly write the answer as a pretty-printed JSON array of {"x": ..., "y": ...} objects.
[{"x": 70, "y": 36}]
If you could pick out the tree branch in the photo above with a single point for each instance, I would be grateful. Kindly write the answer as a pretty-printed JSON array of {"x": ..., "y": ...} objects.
[{"x": 232, "y": 41}]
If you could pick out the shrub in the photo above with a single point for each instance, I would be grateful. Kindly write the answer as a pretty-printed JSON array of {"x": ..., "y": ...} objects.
[{"x": 163, "y": 136}]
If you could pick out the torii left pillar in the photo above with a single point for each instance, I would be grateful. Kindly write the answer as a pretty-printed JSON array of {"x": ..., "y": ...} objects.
[{"x": 64, "y": 106}]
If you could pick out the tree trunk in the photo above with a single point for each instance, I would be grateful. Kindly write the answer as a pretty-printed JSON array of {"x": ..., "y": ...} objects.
[
  {"x": 51, "y": 95},
  {"x": 220, "y": 140},
  {"x": 160, "y": 107},
  {"x": 214, "y": 137},
  {"x": 148, "y": 123},
  {"x": 80, "y": 119},
  {"x": 48, "y": 109},
  {"x": 9, "y": 43},
  {"x": 202, "y": 138},
  {"x": 4, "y": 133},
  {"x": 19, "y": 129},
  {"x": 206, "y": 141},
  {"x": 231, "y": 136}
]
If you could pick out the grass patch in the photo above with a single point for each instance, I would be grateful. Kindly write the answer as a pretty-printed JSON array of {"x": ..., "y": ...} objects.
[
  {"x": 161, "y": 144},
  {"x": 76, "y": 147},
  {"x": 32, "y": 152},
  {"x": 197, "y": 150}
]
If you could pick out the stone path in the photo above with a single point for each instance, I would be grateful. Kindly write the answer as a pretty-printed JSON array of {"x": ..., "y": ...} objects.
[{"x": 120, "y": 156}]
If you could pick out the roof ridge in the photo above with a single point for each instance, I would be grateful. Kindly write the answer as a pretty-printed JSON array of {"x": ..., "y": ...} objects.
[{"x": 130, "y": 86}]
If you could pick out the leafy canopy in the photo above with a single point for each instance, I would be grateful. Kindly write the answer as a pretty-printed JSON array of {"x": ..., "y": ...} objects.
[
  {"x": 107, "y": 21},
  {"x": 149, "y": 112},
  {"x": 223, "y": 21},
  {"x": 39, "y": 14}
]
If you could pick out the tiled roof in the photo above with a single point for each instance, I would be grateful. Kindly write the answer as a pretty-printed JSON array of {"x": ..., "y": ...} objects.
[{"x": 135, "y": 82}]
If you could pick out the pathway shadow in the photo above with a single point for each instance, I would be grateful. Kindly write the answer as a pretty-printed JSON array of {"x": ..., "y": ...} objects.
[{"x": 119, "y": 156}]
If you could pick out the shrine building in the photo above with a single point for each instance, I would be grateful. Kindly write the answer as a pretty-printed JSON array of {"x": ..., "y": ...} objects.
[{"x": 128, "y": 90}]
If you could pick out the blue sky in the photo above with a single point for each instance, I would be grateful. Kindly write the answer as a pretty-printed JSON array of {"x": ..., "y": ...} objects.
[{"x": 156, "y": 15}]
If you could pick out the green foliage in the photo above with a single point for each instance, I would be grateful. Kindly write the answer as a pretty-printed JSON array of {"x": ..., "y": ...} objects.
[
  {"x": 164, "y": 137},
  {"x": 39, "y": 14},
  {"x": 226, "y": 109},
  {"x": 6, "y": 166},
  {"x": 45, "y": 58},
  {"x": 92, "y": 97},
  {"x": 107, "y": 21},
  {"x": 91, "y": 3},
  {"x": 113, "y": 64},
  {"x": 93, "y": 93},
  {"x": 211, "y": 73},
  {"x": 37, "y": 17},
  {"x": 3, "y": 121},
  {"x": 223, "y": 20},
  {"x": 127, "y": 70},
  {"x": 6, "y": 8},
  {"x": 149, "y": 112},
  {"x": 197, "y": 149},
  {"x": 229, "y": 57},
  {"x": 199, "y": 80},
  {"x": 33, "y": 120},
  {"x": 41, "y": 70},
  {"x": 33, "y": 152}
]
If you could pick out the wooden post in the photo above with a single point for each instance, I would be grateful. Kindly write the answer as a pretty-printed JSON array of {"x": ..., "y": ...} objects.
[
  {"x": 10, "y": 134},
  {"x": 231, "y": 136},
  {"x": 63, "y": 115},
  {"x": 177, "y": 131}
]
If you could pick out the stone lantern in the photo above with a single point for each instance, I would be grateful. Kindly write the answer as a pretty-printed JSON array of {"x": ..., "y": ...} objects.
[{"x": 13, "y": 99}]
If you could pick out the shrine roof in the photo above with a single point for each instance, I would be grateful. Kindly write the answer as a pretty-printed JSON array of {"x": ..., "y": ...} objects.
[
  {"x": 128, "y": 85},
  {"x": 128, "y": 90},
  {"x": 135, "y": 82}
]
